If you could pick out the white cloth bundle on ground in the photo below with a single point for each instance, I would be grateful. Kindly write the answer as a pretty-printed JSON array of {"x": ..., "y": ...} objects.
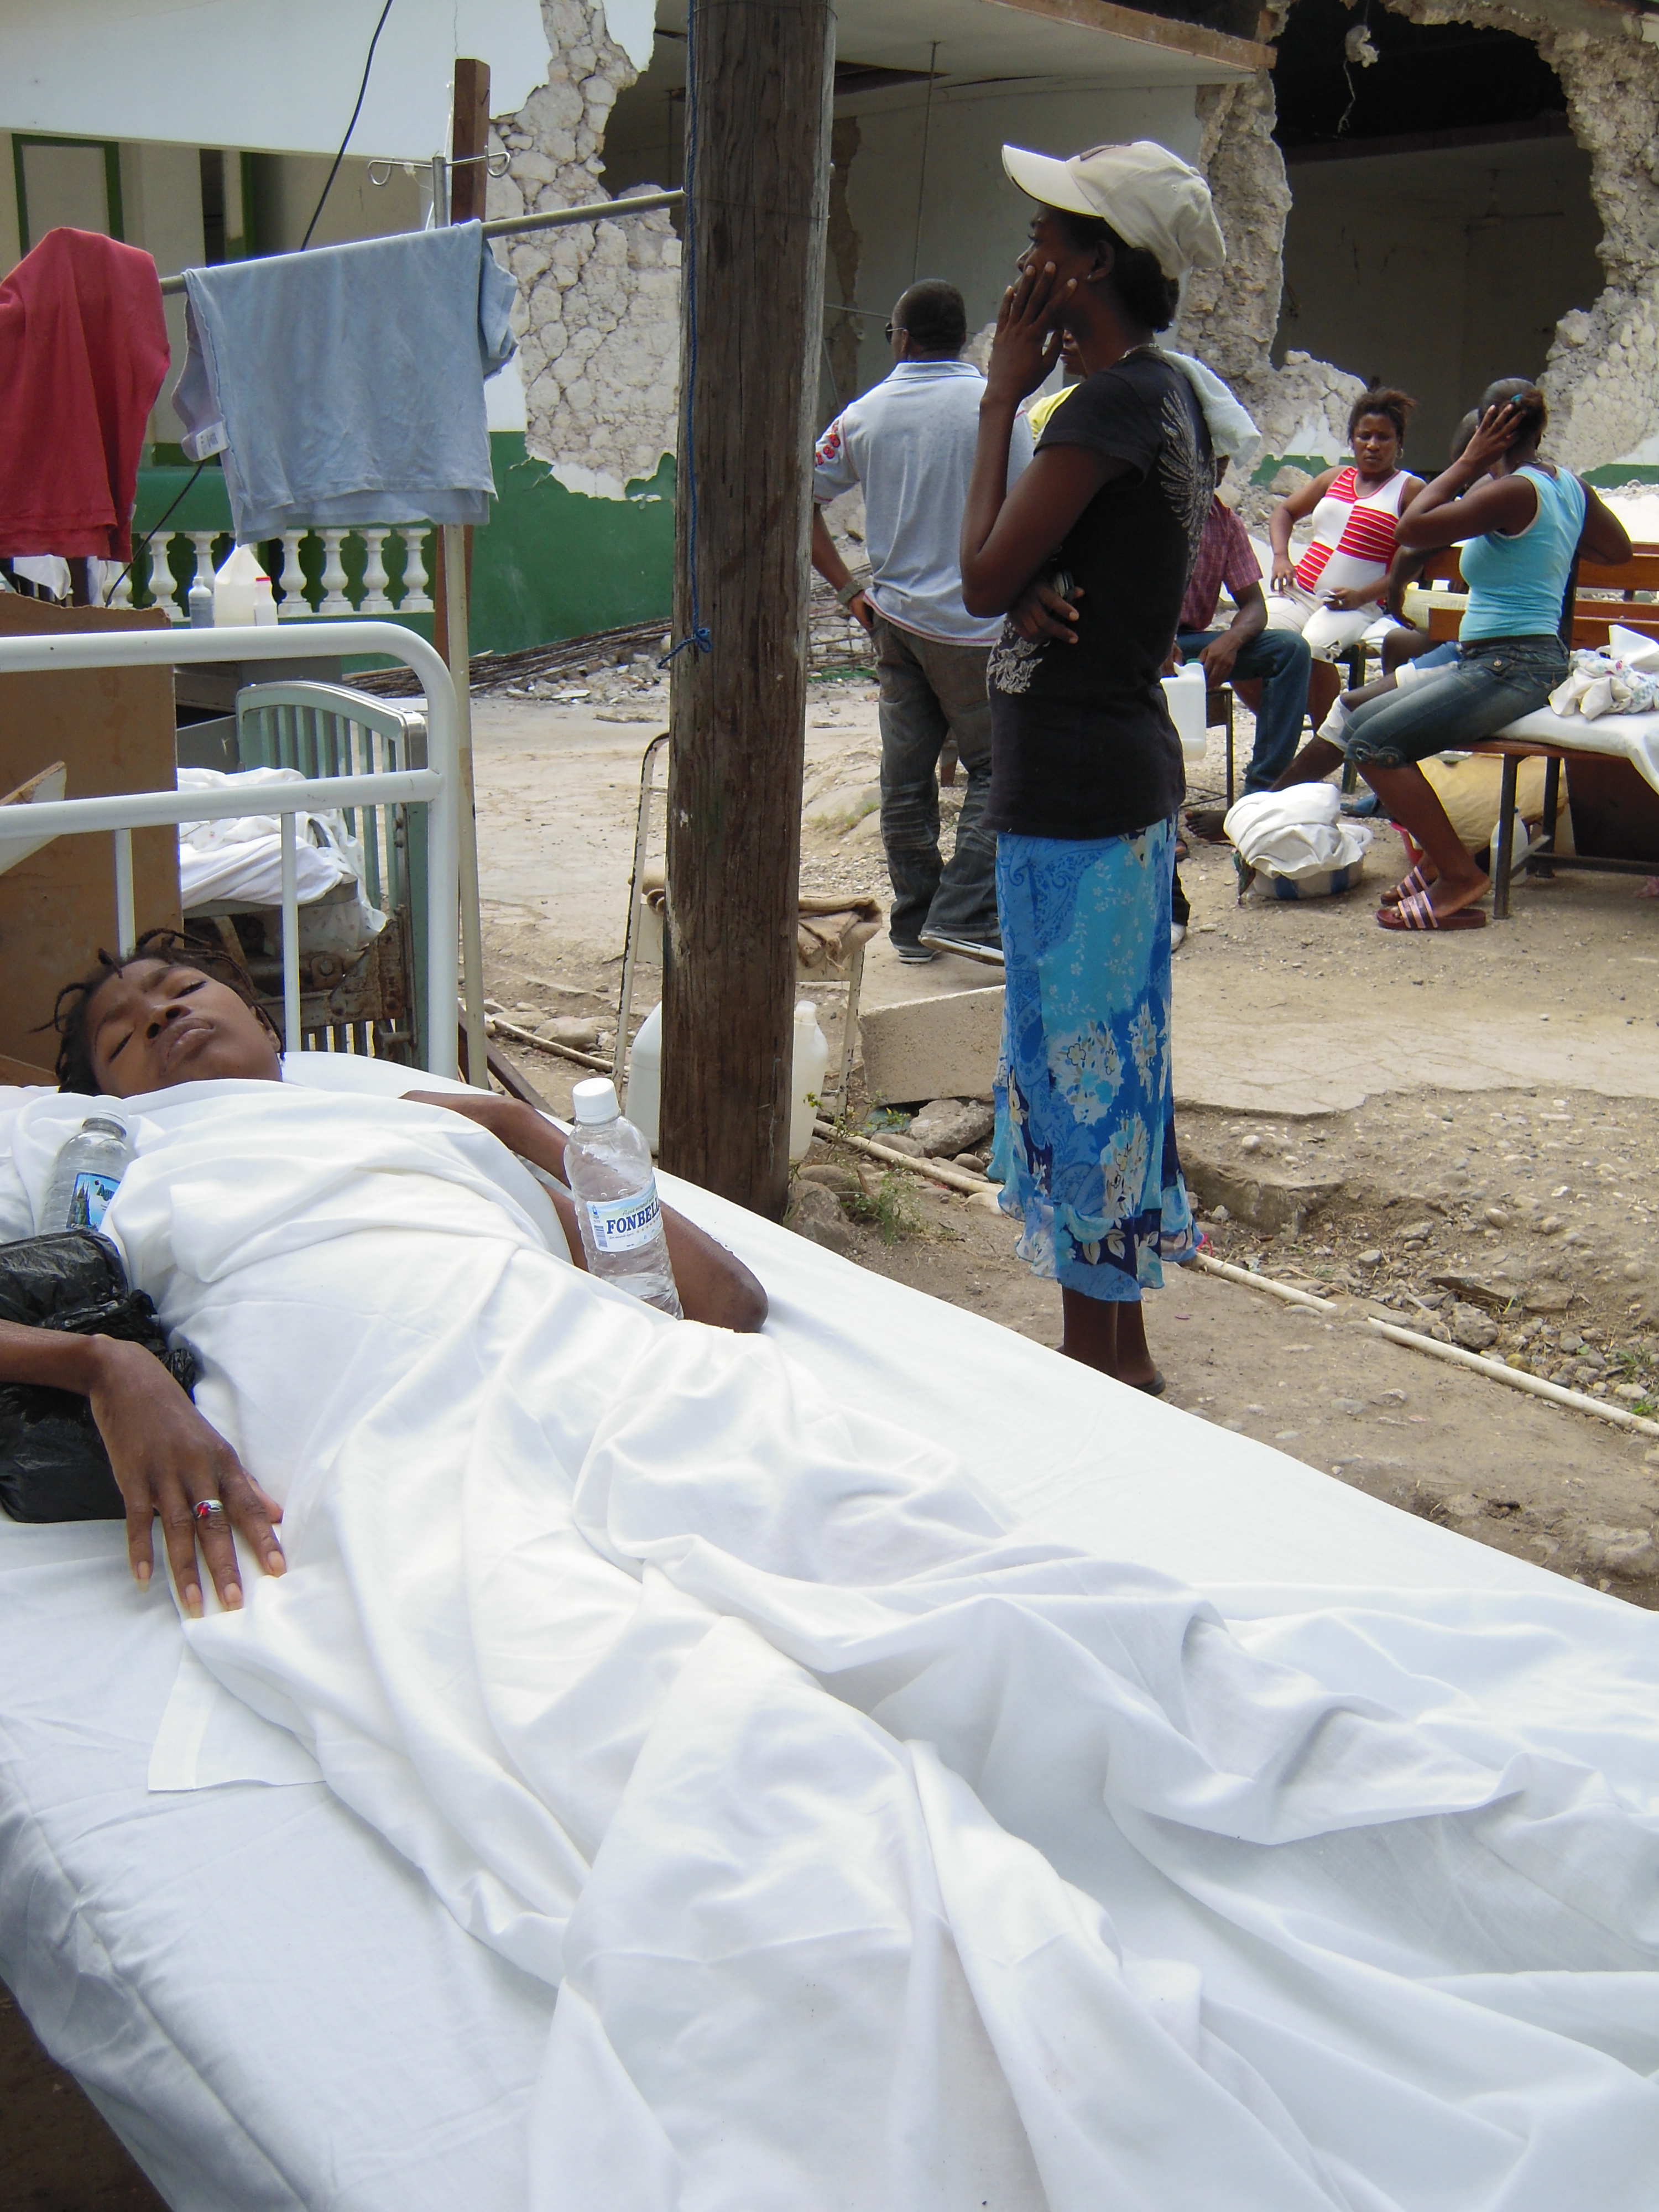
[
  {"x": 1295, "y": 833},
  {"x": 239, "y": 861},
  {"x": 884, "y": 1854}
]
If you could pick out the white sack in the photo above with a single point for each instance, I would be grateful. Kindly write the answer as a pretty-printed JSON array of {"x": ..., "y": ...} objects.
[
  {"x": 886, "y": 1855},
  {"x": 1295, "y": 833}
]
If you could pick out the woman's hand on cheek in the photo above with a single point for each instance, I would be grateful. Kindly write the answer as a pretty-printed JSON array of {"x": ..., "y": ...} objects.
[{"x": 1028, "y": 336}]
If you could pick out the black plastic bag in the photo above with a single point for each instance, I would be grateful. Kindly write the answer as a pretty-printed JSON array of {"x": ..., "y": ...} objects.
[{"x": 53, "y": 1466}]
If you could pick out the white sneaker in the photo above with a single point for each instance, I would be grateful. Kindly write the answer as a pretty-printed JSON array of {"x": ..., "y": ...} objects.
[{"x": 1177, "y": 935}]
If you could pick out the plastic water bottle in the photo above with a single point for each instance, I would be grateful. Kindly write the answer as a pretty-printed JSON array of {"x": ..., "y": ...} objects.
[
  {"x": 607, "y": 1164},
  {"x": 89, "y": 1174},
  {"x": 201, "y": 605}
]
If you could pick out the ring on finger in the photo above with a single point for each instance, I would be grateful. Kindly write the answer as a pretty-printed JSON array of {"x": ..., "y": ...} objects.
[{"x": 209, "y": 1512}]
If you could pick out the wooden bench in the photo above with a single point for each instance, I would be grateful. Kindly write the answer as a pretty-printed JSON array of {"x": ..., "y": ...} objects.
[{"x": 1599, "y": 597}]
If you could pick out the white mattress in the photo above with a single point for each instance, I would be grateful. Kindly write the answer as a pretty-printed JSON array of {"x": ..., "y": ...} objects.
[{"x": 270, "y": 2005}]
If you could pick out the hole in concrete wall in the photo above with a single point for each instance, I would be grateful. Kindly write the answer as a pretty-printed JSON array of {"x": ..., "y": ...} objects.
[{"x": 1441, "y": 221}]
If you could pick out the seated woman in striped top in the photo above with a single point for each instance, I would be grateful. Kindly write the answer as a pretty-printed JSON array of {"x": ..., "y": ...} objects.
[{"x": 1331, "y": 594}]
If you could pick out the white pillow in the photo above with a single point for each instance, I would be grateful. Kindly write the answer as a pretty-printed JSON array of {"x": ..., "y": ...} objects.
[
  {"x": 352, "y": 1071},
  {"x": 16, "y": 1216}
]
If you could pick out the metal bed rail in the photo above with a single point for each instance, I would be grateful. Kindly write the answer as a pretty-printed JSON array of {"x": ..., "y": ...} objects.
[{"x": 437, "y": 787}]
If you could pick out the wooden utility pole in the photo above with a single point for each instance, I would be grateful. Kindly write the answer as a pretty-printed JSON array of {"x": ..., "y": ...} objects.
[
  {"x": 757, "y": 126},
  {"x": 469, "y": 142}
]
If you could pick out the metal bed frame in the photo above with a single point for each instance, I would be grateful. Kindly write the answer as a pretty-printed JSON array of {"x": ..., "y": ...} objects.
[{"x": 437, "y": 788}]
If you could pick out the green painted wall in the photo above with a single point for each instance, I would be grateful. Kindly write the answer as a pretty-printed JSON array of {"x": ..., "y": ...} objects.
[{"x": 550, "y": 563}]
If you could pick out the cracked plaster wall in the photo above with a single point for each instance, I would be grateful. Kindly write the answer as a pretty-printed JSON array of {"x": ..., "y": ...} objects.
[
  {"x": 1603, "y": 376},
  {"x": 598, "y": 305}
]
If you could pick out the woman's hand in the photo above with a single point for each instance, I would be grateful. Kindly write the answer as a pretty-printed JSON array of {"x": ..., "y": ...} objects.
[
  {"x": 714, "y": 1285},
  {"x": 518, "y": 1127},
  {"x": 1354, "y": 596},
  {"x": 1028, "y": 336},
  {"x": 1040, "y": 611},
  {"x": 1284, "y": 574},
  {"x": 1498, "y": 428},
  {"x": 167, "y": 1460}
]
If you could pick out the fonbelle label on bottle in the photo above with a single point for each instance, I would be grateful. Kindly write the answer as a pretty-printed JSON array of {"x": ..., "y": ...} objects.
[
  {"x": 624, "y": 1225},
  {"x": 92, "y": 1194}
]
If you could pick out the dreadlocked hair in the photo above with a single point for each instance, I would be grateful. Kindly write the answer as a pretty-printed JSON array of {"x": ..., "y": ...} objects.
[
  {"x": 71, "y": 1012},
  {"x": 1145, "y": 294}
]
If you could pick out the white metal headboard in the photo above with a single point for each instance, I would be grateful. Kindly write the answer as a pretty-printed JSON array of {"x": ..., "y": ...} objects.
[{"x": 436, "y": 787}]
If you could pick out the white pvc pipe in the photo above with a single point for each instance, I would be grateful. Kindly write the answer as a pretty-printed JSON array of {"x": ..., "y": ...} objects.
[
  {"x": 126, "y": 916},
  {"x": 293, "y": 1040},
  {"x": 1536, "y": 1386},
  {"x": 1292, "y": 1297},
  {"x": 150, "y": 648}
]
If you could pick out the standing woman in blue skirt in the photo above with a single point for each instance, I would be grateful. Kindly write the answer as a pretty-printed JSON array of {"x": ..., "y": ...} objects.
[{"x": 1092, "y": 549}]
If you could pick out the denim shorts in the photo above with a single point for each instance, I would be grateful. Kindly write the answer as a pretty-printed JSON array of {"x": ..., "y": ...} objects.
[{"x": 1496, "y": 680}]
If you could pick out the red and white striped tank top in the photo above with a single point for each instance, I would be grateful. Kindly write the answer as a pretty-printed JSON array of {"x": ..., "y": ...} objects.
[{"x": 1352, "y": 538}]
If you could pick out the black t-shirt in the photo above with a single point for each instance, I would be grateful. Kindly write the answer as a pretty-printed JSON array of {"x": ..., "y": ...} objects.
[{"x": 1083, "y": 745}]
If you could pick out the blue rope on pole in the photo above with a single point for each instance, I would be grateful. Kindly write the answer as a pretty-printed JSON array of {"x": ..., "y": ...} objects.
[{"x": 699, "y": 634}]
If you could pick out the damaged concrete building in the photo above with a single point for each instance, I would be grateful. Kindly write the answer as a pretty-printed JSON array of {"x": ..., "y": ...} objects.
[
  {"x": 1431, "y": 193},
  {"x": 1428, "y": 194}
]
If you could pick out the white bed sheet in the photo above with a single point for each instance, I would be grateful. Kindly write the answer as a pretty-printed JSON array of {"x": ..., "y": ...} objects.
[
  {"x": 1634, "y": 738},
  {"x": 270, "y": 2004}
]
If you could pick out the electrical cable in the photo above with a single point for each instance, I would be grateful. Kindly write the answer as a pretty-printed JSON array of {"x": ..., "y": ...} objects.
[
  {"x": 144, "y": 541},
  {"x": 698, "y": 635},
  {"x": 368, "y": 63}
]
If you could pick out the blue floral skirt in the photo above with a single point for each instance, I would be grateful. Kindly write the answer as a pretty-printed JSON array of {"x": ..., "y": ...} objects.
[{"x": 1085, "y": 1143}]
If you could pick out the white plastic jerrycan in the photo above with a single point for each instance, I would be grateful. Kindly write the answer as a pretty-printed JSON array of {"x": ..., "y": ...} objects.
[
  {"x": 234, "y": 598},
  {"x": 1185, "y": 694},
  {"x": 643, "y": 1104},
  {"x": 810, "y": 1064}
]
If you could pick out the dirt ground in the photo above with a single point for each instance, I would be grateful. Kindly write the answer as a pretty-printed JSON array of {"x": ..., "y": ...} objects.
[{"x": 1458, "y": 1136}]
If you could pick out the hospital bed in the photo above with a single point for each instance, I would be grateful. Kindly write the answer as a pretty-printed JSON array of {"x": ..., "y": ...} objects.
[{"x": 270, "y": 2006}]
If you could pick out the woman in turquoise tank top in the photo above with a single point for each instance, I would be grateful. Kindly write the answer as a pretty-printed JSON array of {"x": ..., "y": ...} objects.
[{"x": 1519, "y": 520}]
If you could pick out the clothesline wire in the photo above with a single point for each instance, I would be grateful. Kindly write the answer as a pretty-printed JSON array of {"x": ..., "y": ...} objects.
[
  {"x": 368, "y": 63},
  {"x": 511, "y": 226},
  {"x": 144, "y": 541}
]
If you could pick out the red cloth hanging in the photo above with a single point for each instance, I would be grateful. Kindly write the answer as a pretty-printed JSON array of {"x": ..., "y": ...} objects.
[{"x": 84, "y": 348}]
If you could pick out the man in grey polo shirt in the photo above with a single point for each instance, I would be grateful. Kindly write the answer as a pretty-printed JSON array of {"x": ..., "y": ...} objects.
[{"x": 909, "y": 442}]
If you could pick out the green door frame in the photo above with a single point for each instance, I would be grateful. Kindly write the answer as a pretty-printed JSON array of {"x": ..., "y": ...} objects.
[{"x": 111, "y": 153}]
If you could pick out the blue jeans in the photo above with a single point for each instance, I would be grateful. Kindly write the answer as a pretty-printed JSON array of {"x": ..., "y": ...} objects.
[
  {"x": 1280, "y": 658},
  {"x": 1495, "y": 682},
  {"x": 929, "y": 689}
]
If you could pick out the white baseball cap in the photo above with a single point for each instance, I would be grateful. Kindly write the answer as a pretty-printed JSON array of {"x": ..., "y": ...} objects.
[{"x": 1149, "y": 197}]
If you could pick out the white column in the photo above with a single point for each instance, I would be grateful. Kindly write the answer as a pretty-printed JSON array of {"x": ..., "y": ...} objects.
[
  {"x": 335, "y": 601},
  {"x": 122, "y": 595},
  {"x": 161, "y": 588},
  {"x": 375, "y": 601},
  {"x": 292, "y": 581},
  {"x": 417, "y": 577},
  {"x": 202, "y": 541}
]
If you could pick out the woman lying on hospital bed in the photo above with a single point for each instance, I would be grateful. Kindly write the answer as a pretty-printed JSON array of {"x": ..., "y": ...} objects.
[
  {"x": 883, "y": 1849},
  {"x": 146, "y": 1025}
]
